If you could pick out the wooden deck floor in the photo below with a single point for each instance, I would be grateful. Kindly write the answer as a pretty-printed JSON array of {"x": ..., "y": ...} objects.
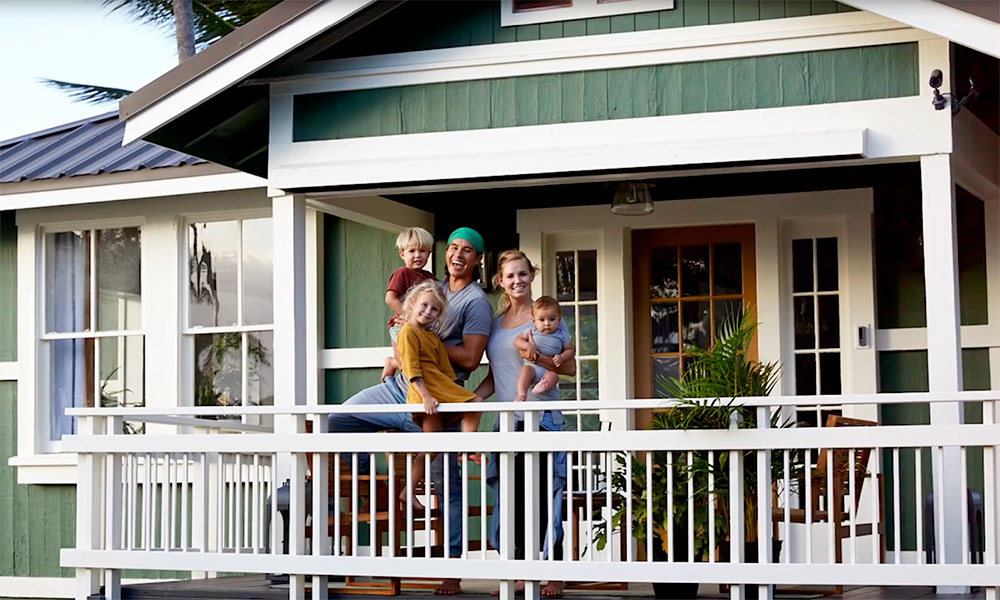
[{"x": 258, "y": 587}]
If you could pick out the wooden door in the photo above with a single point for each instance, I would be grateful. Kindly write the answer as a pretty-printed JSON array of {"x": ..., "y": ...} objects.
[{"x": 686, "y": 281}]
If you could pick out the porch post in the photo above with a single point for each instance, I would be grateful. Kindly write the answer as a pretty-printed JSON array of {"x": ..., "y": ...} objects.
[
  {"x": 89, "y": 507},
  {"x": 288, "y": 218},
  {"x": 944, "y": 346}
]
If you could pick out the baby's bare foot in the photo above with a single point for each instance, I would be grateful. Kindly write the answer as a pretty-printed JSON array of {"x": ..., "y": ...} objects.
[{"x": 541, "y": 387}]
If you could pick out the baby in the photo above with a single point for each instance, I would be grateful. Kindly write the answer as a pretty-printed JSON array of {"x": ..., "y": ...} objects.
[{"x": 548, "y": 336}]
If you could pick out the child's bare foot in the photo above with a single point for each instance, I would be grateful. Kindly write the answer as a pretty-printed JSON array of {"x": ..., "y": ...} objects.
[
  {"x": 518, "y": 588},
  {"x": 449, "y": 587},
  {"x": 552, "y": 589},
  {"x": 520, "y": 397}
]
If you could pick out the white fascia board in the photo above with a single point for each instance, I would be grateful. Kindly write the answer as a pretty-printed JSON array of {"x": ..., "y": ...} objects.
[
  {"x": 240, "y": 66},
  {"x": 699, "y": 139},
  {"x": 45, "y": 469},
  {"x": 130, "y": 191},
  {"x": 668, "y": 46},
  {"x": 937, "y": 18},
  {"x": 374, "y": 211}
]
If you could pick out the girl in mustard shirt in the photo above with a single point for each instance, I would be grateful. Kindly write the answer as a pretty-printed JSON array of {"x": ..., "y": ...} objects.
[{"x": 425, "y": 364}]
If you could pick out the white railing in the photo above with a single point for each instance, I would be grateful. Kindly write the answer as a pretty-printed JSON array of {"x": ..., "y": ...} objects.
[{"x": 210, "y": 499}]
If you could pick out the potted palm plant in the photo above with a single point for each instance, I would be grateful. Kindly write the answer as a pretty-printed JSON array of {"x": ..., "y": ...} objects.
[{"x": 705, "y": 397}]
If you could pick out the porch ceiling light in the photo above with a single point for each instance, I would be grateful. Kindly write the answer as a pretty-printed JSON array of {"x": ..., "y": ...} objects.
[{"x": 632, "y": 199}]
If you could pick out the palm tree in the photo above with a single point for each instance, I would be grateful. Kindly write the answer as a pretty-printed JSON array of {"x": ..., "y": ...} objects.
[{"x": 196, "y": 24}]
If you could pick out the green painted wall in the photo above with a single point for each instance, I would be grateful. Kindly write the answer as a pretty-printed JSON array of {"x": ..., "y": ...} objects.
[
  {"x": 8, "y": 287},
  {"x": 796, "y": 79},
  {"x": 429, "y": 25},
  {"x": 907, "y": 372}
]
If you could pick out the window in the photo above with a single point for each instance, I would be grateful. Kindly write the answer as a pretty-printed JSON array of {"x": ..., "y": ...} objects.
[
  {"x": 229, "y": 321},
  {"x": 528, "y": 12},
  {"x": 816, "y": 306},
  {"x": 93, "y": 339}
]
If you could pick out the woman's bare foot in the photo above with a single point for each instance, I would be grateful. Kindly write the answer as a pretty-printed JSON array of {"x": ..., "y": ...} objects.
[
  {"x": 552, "y": 589},
  {"x": 518, "y": 588},
  {"x": 449, "y": 587}
]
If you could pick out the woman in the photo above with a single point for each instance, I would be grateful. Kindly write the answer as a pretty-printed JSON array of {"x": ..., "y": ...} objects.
[{"x": 514, "y": 275}]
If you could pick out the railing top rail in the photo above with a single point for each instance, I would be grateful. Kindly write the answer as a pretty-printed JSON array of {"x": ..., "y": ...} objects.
[{"x": 139, "y": 413}]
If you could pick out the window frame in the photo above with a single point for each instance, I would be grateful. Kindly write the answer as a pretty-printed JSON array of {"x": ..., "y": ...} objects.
[
  {"x": 188, "y": 332},
  {"x": 580, "y": 9}
]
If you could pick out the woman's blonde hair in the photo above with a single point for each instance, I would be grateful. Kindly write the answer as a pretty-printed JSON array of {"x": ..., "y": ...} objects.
[
  {"x": 509, "y": 256},
  {"x": 428, "y": 286}
]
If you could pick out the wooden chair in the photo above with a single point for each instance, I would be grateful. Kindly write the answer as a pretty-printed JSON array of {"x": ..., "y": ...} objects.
[{"x": 839, "y": 511}]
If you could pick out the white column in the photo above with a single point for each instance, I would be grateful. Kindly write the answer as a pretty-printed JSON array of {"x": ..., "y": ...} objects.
[
  {"x": 944, "y": 347},
  {"x": 89, "y": 507},
  {"x": 288, "y": 215}
]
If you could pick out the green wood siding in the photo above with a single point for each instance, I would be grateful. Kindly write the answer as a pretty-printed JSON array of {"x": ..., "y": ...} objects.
[
  {"x": 907, "y": 372},
  {"x": 430, "y": 25},
  {"x": 748, "y": 83},
  {"x": 8, "y": 287}
]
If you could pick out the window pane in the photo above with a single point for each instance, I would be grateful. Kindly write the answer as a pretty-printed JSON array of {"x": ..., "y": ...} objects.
[
  {"x": 829, "y": 321},
  {"x": 694, "y": 271},
  {"x": 727, "y": 268},
  {"x": 726, "y": 311},
  {"x": 567, "y": 387},
  {"x": 258, "y": 271},
  {"x": 588, "y": 331},
  {"x": 526, "y": 5},
  {"x": 588, "y": 274},
  {"x": 565, "y": 277},
  {"x": 67, "y": 281},
  {"x": 665, "y": 368},
  {"x": 696, "y": 324},
  {"x": 569, "y": 315},
  {"x": 806, "y": 417},
  {"x": 805, "y": 374},
  {"x": 663, "y": 273},
  {"x": 588, "y": 380},
  {"x": 71, "y": 382},
  {"x": 802, "y": 266},
  {"x": 829, "y": 373},
  {"x": 260, "y": 369},
  {"x": 119, "y": 289},
  {"x": 826, "y": 265},
  {"x": 665, "y": 334},
  {"x": 805, "y": 334},
  {"x": 217, "y": 375},
  {"x": 213, "y": 252}
]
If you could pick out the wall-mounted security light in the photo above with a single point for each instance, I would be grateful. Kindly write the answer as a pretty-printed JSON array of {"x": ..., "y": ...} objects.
[{"x": 940, "y": 100}]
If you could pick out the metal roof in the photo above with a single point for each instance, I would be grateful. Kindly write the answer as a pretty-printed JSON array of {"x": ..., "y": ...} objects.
[{"x": 87, "y": 147}]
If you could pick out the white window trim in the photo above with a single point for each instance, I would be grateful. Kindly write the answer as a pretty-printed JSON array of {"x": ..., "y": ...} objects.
[
  {"x": 161, "y": 253},
  {"x": 580, "y": 9}
]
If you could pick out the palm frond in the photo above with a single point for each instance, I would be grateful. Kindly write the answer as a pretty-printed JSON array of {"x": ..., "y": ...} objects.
[{"x": 91, "y": 94}]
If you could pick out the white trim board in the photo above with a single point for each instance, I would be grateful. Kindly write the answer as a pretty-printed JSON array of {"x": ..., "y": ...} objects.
[
  {"x": 128, "y": 191},
  {"x": 230, "y": 72},
  {"x": 915, "y": 338},
  {"x": 52, "y": 587},
  {"x": 579, "y": 9},
  {"x": 938, "y": 18},
  {"x": 8, "y": 371},
  {"x": 616, "y": 50}
]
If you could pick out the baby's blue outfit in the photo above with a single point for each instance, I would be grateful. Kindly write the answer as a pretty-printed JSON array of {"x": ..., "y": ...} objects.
[{"x": 548, "y": 344}]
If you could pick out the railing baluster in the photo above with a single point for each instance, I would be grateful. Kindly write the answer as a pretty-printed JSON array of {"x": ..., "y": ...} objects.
[
  {"x": 830, "y": 509},
  {"x": 627, "y": 519},
  {"x": 809, "y": 504},
  {"x": 609, "y": 507},
  {"x": 147, "y": 495},
  {"x": 392, "y": 503},
  {"x": 671, "y": 544},
  {"x": 937, "y": 458},
  {"x": 355, "y": 507},
  {"x": 649, "y": 506},
  {"x": 374, "y": 540},
  {"x": 788, "y": 501},
  {"x": 852, "y": 503},
  {"x": 711, "y": 505},
  {"x": 897, "y": 539},
  {"x": 690, "y": 507},
  {"x": 918, "y": 503},
  {"x": 466, "y": 534},
  {"x": 256, "y": 498},
  {"x": 238, "y": 502},
  {"x": 590, "y": 505},
  {"x": 427, "y": 504},
  {"x": 549, "y": 532},
  {"x": 220, "y": 521},
  {"x": 483, "y": 534},
  {"x": 337, "y": 457},
  {"x": 964, "y": 475},
  {"x": 571, "y": 501},
  {"x": 185, "y": 491},
  {"x": 875, "y": 489},
  {"x": 446, "y": 501},
  {"x": 169, "y": 488},
  {"x": 409, "y": 505}
]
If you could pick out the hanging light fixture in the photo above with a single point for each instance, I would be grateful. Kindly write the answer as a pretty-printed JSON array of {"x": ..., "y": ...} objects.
[{"x": 632, "y": 199}]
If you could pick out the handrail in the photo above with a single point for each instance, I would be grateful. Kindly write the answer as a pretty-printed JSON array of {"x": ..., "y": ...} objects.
[{"x": 564, "y": 405}]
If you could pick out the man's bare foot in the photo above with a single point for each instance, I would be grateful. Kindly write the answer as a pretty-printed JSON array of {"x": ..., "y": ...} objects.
[
  {"x": 449, "y": 587},
  {"x": 552, "y": 589},
  {"x": 417, "y": 506},
  {"x": 520, "y": 397},
  {"x": 518, "y": 588}
]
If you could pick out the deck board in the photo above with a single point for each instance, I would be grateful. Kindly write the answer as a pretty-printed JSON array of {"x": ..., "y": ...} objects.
[{"x": 258, "y": 587}]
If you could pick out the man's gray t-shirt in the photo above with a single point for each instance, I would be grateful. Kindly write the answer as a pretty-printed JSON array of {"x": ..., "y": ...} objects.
[{"x": 468, "y": 313}]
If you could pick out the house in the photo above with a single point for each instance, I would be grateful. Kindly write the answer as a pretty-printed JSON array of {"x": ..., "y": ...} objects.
[{"x": 794, "y": 157}]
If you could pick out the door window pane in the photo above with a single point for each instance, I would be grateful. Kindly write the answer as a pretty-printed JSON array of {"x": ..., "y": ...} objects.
[
  {"x": 588, "y": 331},
  {"x": 726, "y": 311},
  {"x": 663, "y": 273},
  {"x": 829, "y": 321},
  {"x": 665, "y": 334},
  {"x": 829, "y": 373},
  {"x": 805, "y": 374},
  {"x": 805, "y": 334},
  {"x": 727, "y": 267},
  {"x": 802, "y": 266},
  {"x": 826, "y": 265},
  {"x": 565, "y": 276},
  {"x": 588, "y": 379},
  {"x": 697, "y": 324},
  {"x": 665, "y": 368},
  {"x": 695, "y": 271},
  {"x": 588, "y": 274}
]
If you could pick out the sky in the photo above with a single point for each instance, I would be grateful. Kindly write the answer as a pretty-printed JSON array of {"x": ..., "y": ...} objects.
[{"x": 71, "y": 40}]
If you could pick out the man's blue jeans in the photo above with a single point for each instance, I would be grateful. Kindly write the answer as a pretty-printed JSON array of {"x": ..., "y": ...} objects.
[{"x": 391, "y": 392}]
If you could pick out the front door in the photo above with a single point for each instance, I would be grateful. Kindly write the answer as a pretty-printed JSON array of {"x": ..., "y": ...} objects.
[{"x": 686, "y": 281}]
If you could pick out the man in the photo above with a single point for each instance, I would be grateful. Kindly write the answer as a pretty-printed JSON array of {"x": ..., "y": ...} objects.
[{"x": 464, "y": 331}]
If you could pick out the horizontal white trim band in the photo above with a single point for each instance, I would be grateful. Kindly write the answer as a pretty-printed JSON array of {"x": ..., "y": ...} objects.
[
  {"x": 51, "y": 587},
  {"x": 90, "y": 335},
  {"x": 901, "y": 436},
  {"x": 8, "y": 371},
  {"x": 621, "y": 50},
  {"x": 542, "y": 570},
  {"x": 915, "y": 338},
  {"x": 128, "y": 191}
]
